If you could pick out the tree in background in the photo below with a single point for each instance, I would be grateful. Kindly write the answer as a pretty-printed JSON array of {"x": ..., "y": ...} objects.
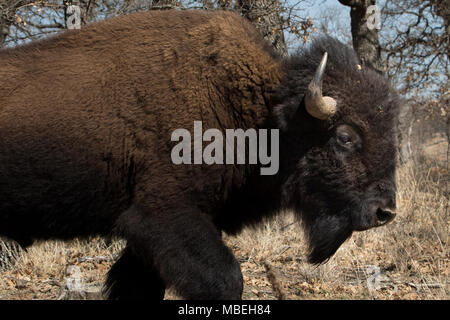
[
  {"x": 416, "y": 45},
  {"x": 8, "y": 9},
  {"x": 364, "y": 33},
  {"x": 333, "y": 22},
  {"x": 25, "y": 20},
  {"x": 415, "y": 52},
  {"x": 266, "y": 16}
]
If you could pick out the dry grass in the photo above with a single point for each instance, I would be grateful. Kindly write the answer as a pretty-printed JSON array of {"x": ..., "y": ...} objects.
[
  {"x": 408, "y": 259},
  {"x": 42, "y": 272}
]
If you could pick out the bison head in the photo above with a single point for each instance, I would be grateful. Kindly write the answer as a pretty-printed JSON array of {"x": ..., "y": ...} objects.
[{"x": 337, "y": 150}]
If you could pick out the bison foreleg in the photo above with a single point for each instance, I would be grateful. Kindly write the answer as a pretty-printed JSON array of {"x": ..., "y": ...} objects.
[
  {"x": 186, "y": 249},
  {"x": 131, "y": 279}
]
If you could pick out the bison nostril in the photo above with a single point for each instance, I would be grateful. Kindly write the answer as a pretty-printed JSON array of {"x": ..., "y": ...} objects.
[{"x": 384, "y": 216}]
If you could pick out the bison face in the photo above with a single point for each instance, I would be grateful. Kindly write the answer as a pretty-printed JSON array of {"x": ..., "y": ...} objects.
[
  {"x": 339, "y": 189},
  {"x": 373, "y": 193},
  {"x": 338, "y": 158}
]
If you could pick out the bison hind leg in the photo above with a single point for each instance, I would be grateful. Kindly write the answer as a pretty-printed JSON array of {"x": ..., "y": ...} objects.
[{"x": 130, "y": 279}]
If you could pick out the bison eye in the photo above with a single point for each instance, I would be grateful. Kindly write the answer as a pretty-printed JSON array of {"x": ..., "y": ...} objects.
[{"x": 347, "y": 137}]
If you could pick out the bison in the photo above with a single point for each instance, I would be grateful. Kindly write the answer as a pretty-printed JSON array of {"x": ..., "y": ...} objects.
[{"x": 86, "y": 119}]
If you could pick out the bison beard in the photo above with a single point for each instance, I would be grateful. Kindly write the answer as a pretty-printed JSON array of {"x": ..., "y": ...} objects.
[
  {"x": 85, "y": 144},
  {"x": 325, "y": 235}
]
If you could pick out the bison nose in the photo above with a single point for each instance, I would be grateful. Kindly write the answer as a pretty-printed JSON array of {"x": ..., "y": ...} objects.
[
  {"x": 384, "y": 216},
  {"x": 375, "y": 213},
  {"x": 383, "y": 213}
]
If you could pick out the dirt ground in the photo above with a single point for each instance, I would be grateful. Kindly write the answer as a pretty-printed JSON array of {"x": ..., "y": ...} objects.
[{"x": 407, "y": 259}]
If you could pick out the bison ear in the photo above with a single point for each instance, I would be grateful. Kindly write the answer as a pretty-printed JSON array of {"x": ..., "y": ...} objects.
[
  {"x": 284, "y": 113},
  {"x": 315, "y": 104}
]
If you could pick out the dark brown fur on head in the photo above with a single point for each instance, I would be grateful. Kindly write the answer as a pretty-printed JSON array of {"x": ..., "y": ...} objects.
[{"x": 335, "y": 188}]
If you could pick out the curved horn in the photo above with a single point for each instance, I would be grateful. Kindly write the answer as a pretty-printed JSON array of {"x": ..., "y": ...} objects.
[{"x": 318, "y": 106}]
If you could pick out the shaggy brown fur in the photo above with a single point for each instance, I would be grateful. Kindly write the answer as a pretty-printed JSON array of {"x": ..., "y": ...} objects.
[{"x": 85, "y": 124}]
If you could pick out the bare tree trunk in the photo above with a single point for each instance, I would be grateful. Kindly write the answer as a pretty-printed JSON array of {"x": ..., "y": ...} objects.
[
  {"x": 442, "y": 9},
  {"x": 88, "y": 11},
  {"x": 5, "y": 21},
  {"x": 265, "y": 15},
  {"x": 4, "y": 29},
  {"x": 365, "y": 36}
]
